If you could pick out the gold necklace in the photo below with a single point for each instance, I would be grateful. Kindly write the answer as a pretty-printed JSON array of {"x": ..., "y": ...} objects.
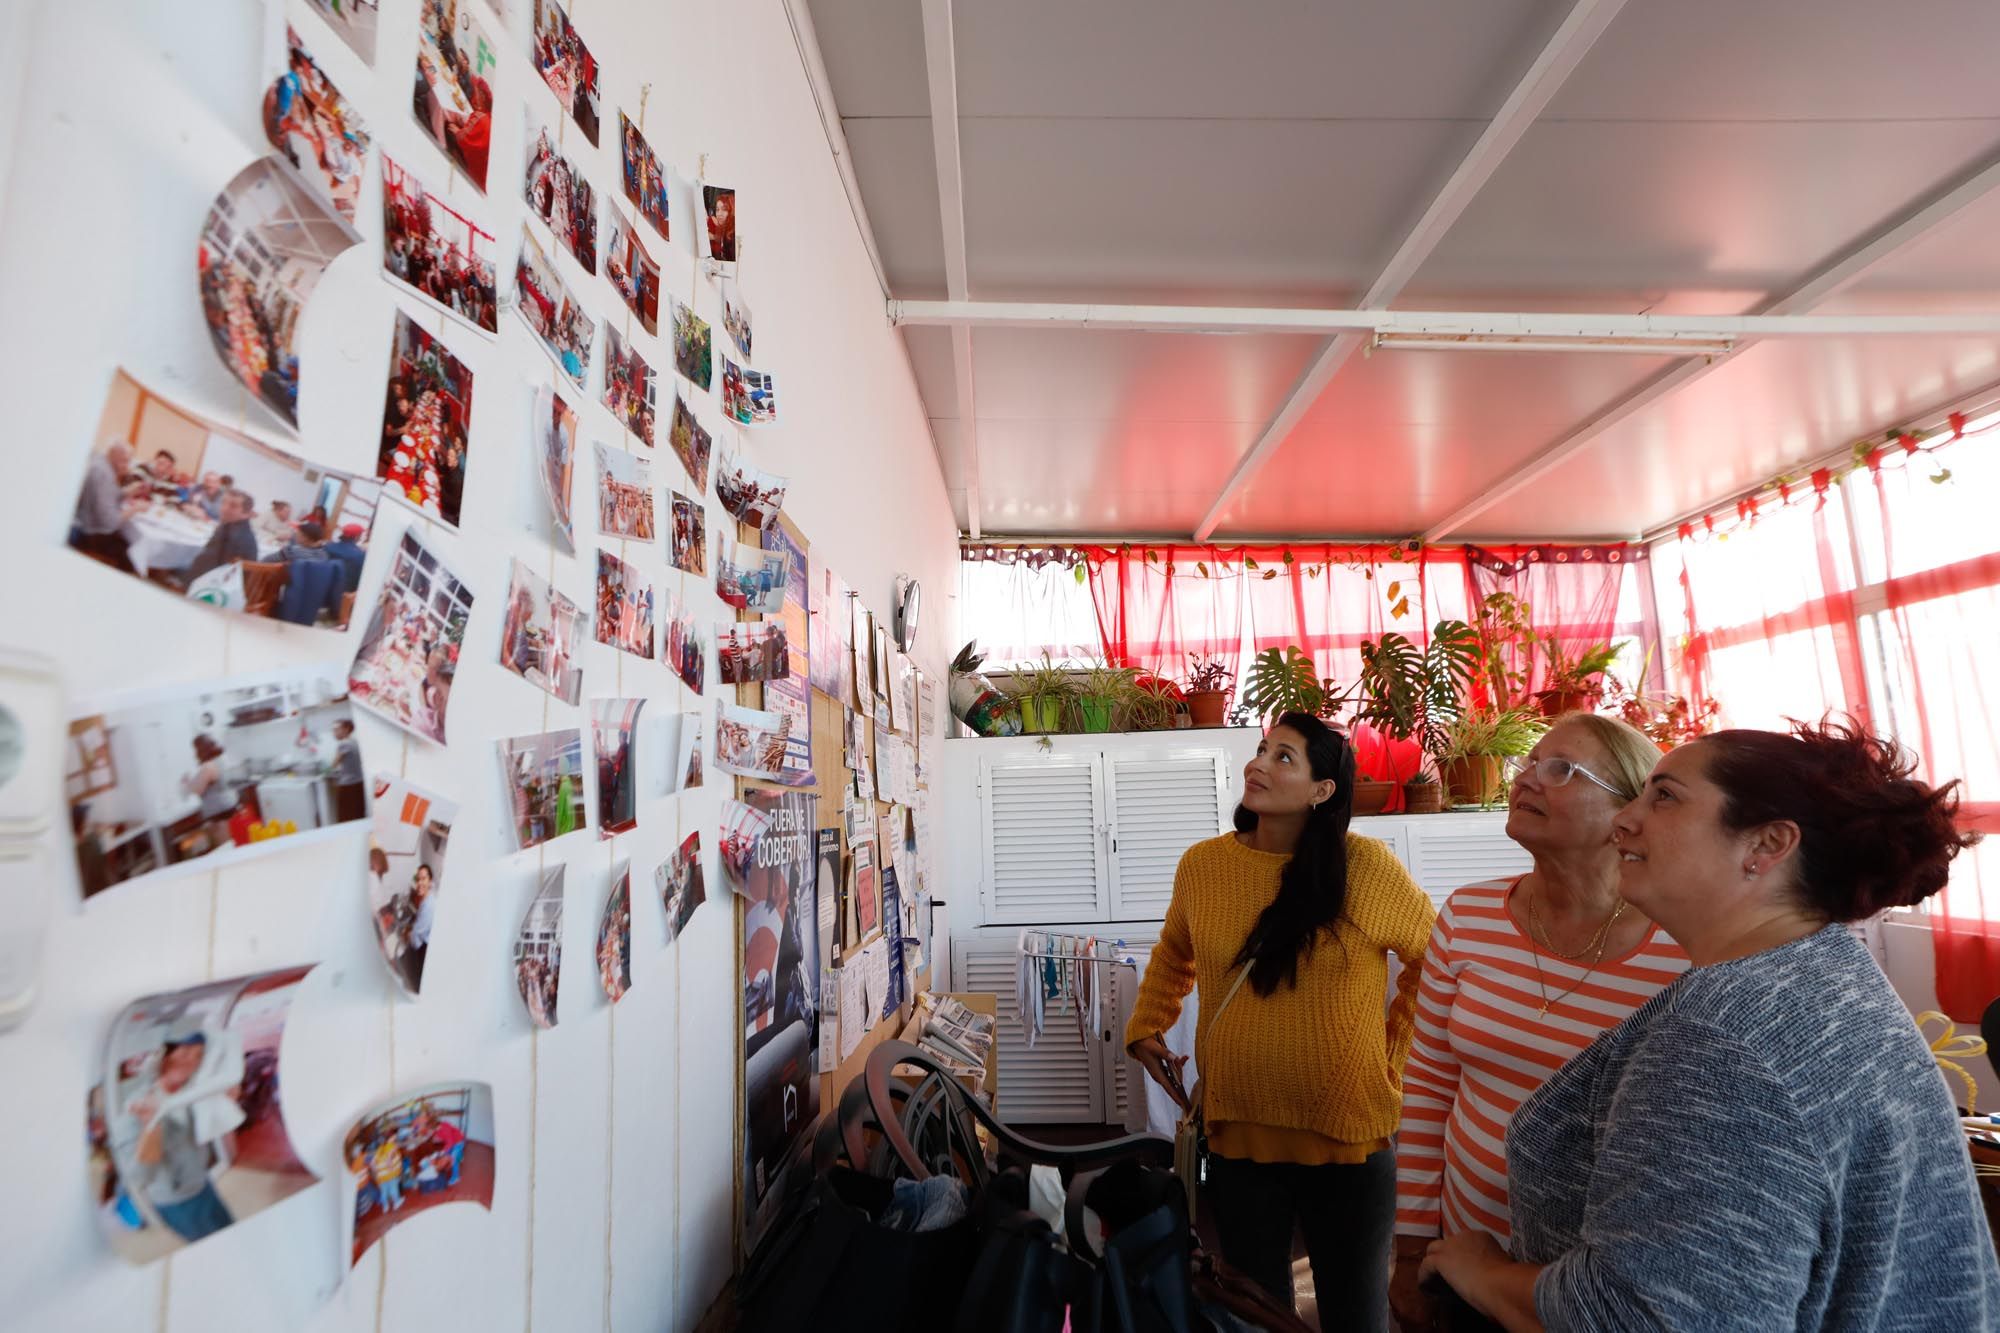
[
  {"x": 1596, "y": 941},
  {"x": 1602, "y": 940}
]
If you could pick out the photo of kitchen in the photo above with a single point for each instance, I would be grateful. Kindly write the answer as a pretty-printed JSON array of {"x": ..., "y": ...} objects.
[{"x": 174, "y": 777}]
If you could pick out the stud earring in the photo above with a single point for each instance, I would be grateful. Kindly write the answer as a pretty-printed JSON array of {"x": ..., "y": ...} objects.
[{"x": 1750, "y": 871}]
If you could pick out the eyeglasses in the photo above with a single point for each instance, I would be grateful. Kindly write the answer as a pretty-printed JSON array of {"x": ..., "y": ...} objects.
[{"x": 1556, "y": 773}]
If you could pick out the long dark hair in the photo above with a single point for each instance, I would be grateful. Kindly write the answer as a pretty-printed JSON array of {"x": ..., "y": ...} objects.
[{"x": 1312, "y": 889}]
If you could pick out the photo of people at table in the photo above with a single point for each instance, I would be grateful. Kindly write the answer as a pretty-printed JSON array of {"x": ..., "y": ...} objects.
[
  {"x": 182, "y": 774},
  {"x": 544, "y": 776},
  {"x": 425, "y": 415},
  {"x": 681, "y": 647},
  {"x": 614, "y": 728},
  {"x": 633, "y": 272},
  {"x": 212, "y": 515},
  {"x": 185, "y": 1127},
  {"x": 559, "y": 320},
  {"x": 746, "y": 491},
  {"x": 406, "y": 844},
  {"x": 560, "y": 196},
  {"x": 408, "y": 658},
  {"x": 541, "y": 634},
  {"x": 538, "y": 949},
  {"x": 614, "y": 937},
  {"x": 436, "y": 252},
  {"x": 751, "y": 651},
  {"x": 629, "y": 385},
  {"x": 645, "y": 179},
  {"x": 624, "y": 494},
  {"x": 748, "y": 578},
  {"x": 313, "y": 127},
  {"x": 690, "y": 541},
  {"x": 555, "y": 429},
  {"x": 624, "y": 607},
  {"x": 263, "y": 248},
  {"x": 692, "y": 444},
  {"x": 419, "y": 1152},
  {"x": 565, "y": 64},
  {"x": 453, "y": 100},
  {"x": 679, "y": 881}
]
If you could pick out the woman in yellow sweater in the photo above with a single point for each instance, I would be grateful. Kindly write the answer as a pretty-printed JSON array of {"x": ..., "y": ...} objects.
[{"x": 1301, "y": 1075}]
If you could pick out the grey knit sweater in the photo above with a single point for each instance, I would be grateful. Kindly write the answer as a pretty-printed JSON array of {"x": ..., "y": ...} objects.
[{"x": 1766, "y": 1144}]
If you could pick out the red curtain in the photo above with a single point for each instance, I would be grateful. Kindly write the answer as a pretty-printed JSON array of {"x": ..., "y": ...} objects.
[
  {"x": 1157, "y": 604},
  {"x": 1573, "y": 591}
]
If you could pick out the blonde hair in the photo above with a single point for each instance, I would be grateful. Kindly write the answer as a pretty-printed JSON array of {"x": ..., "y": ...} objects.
[{"x": 1633, "y": 753}]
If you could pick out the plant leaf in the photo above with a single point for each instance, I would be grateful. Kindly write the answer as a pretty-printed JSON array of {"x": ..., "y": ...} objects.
[
  {"x": 1400, "y": 609},
  {"x": 1202, "y": 565},
  {"x": 1288, "y": 555},
  {"x": 1270, "y": 573},
  {"x": 1395, "y": 587},
  {"x": 1248, "y": 563}
]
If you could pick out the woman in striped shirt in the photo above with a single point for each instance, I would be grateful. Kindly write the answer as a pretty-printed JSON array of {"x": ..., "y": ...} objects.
[{"x": 1521, "y": 975}]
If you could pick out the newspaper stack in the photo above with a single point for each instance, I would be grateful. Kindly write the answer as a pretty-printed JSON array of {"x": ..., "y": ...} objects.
[{"x": 956, "y": 1037}]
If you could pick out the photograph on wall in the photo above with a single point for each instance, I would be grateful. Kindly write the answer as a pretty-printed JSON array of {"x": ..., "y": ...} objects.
[
  {"x": 406, "y": 843},
  {"x": 679, "y": 882},
  {"x": 694, "y": 347},
  {"x": 780, "y": 999},
  {"x": 749, "y": 652},
  {"x": 742, "y": 826},
  {"x": 614, "y": 936},
  {"x": 353, "y": 21},
  {"x": 565, "y": 64},
  {"x": 419, "y": 1152},
  {"x": 558, "y": 194},
  {"x": 750, "y": 494},
  {"x": 749, "y": 397},
  {"x": 215, "y": 773},
  {"x": 624, "y": 494},
  {"x": 748, "y": 577},
  {"x": 690, "y": 536},
  {"x": 629, "y": 386},
  {"x": 435, "y": 252},
  {"x": 750, "y": 742},
  {"x": 633, "y": 272},
  {"x": 555, "y": 427},
  {"x": 736, "y": 316},
  {"x": 207, "y": 513},
  {"x": 425, "y": 417},
  {"x": 692, "y": 444},
  {"x": 541, "y": 635},
  {"x": 263, "y": 248},
  {"x": 614, "y": 732},
  {"x": 185, "y": 1127},
  {"x": 538, "y": 949},
  {"x": 828, "y": 661},
  {"x": 315, "y": 129},
  {"x": 686, "y": 751},
  {"x": 789, "y": 692},
  {"x": 718, "y": 233},
  {"x": 681, "y": 646},
  {"x": 453, "y": 98},
  {"x": 624, "y": 607},
  {"x": 646, "y": 181},
  {"x": 559, "y": 321},
  {"x": 408, "y": 658},
  {"x": 544, "y": 777}
]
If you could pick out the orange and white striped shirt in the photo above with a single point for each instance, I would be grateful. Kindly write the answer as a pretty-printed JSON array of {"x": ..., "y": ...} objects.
[{"x": 1482, "y": 1046}]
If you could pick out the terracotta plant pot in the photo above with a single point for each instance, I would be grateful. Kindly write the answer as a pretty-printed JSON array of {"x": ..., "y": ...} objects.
[
  {"x": 1370, "y": 797},
  {"x": 1041, "y": 714},
  {"x": 1208, "y": 708},
  {"x": 1423, "y": 798},
  {"x": 1554, "y": 703},
  {"x": 1472, "y": 779},
  {"x": 1096, "y": 712}
]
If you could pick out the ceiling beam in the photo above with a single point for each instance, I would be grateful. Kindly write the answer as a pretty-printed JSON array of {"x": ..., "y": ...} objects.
[
  {"x": 941, "y": 64},
  {"x": 1585, "y": 22},
  {"x": 1920, "y": 220}
]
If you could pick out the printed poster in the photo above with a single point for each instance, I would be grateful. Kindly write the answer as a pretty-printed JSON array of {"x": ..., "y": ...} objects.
[
  {"x": 790, "y": 696},
  {"x": 780, "y": 999}
]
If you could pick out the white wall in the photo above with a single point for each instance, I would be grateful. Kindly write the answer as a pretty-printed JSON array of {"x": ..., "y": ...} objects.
[{"x": 612, "y": 1207}]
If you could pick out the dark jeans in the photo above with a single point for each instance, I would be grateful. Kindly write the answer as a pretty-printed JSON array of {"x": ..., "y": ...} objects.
[{"x": 1348, "y": 1215}]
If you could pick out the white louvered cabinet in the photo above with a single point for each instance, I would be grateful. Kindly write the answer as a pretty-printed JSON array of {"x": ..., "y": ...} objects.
[{"x": 1060, "y": 1079}]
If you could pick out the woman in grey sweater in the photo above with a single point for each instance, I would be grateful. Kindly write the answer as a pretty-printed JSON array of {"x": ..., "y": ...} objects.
[{"x": 1767, "y": 1143}]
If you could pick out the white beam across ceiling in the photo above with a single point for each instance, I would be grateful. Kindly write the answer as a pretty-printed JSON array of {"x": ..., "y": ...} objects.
[
  {"x": 941, "y": 64},
  {"x": 1585, "y": 22},
  {"x": 1922, "y": 219}
]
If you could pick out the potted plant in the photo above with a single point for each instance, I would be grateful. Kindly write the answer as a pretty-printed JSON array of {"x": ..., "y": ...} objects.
[
  {"x": 1423, "y": 794},
  {"x": 1573, "y": 683},
  {"x": 1153, "y": 704},
  {"x": 1207, "y": 689},
  {"x": 1409, "y": 693},
  {"x": 1101, "y": 694},
  {"x": 1476, "y": 745},
  {"x": 1282, "y": 680},
  {"x": 1505, "y": 628},
  {"x": 1044, "y": 690},
  {"x": 974, "y": 700}
]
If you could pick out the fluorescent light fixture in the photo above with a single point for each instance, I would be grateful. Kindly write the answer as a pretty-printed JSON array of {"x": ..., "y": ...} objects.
[{"x": 1512, "y": 342}]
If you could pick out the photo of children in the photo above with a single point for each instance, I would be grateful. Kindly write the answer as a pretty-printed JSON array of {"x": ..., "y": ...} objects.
[
  {"x": 629, "y": 385},
  {"x": 692, "y": 444},
  {"x": 680, "y": 885},
  {"x": 694, "y": 347},
  {"x": 681, "y": 647},
  {"x": 185, "y": 1128},
  {"x": 751, "y": 495},
  {"x": 747, "y": 578},
  {"x": 263, "y": 248},
  {"x": 417, "y": 1153},
  {"x": 736, "y": 316},
  {"x": 559, "y": 320},
  {"x": 719, "y": 236},
  {"x": 425, "y": 414},
  {"x": 751, "y": 651},
  {"x": 406, "y": 843},
  {"x": 541, "y": 634},
  {"x": 559, "y": 195},
  {"x": 645, "y": 179},
  {"x": 614, "y": 936},
  {"x": 750, "y": 742},
  {"x": 624, "y": 494},
  {"x": 210, "y": 514},
  {"x": 354, "y": 21},
  {"x": 452, "y": 101},
  {"x": 538, "y": 949},
  {"x": 160, "y": 779},
  {"x": 313, "y": 128},
  {"x": 749, "y": 397},
  {"x": 614, "y": 728},
  {"x": 690, "y": 544},
  {"x": 432, "y": 250},
  {"x": 624, "y": 607},
  {"x": 544, "y": 775},
  {"x": 408, "y": 658},
  {"x": 555, "y": 424},
  {"x": 565, "y": 64},
  {"x": 634, "y": 274}
]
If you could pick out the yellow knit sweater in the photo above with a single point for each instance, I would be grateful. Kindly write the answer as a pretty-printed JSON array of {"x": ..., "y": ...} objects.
[{"x": 1307, "y": 1070}]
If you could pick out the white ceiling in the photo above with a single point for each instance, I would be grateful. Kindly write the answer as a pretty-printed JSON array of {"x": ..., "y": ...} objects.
[{"x": 1705, "y": 157}]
